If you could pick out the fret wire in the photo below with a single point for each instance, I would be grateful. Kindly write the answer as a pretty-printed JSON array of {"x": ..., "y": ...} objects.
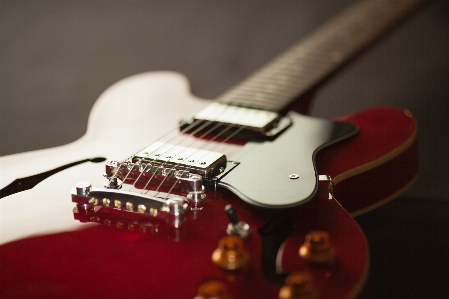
[
  {"x": 293, "y": 85},
  {"x": 319, "y": 54},
  {"x": 286, "y": 81},
  {"x": 257, "y": 91}
]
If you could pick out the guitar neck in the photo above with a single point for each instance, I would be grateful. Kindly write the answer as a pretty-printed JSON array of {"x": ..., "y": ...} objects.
[{"x": 309, "y": 62}]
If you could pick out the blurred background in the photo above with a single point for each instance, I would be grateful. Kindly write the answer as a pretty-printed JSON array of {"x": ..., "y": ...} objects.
[{"x": 56, "y": 57}]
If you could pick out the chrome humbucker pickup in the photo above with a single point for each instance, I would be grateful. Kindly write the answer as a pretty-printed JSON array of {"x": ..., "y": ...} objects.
[
  {"x": 249, "y": 121},
  {"x": 180, "y": 158}
]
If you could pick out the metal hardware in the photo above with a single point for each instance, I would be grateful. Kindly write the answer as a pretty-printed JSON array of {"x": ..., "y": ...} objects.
[
  {"x": 197, "y": 194},
  {"x": 240, "y": 228},
  {"x": 298, "y": 285},
  {"x": 231, "y": 253},
  {"x": 113, "y": 183},
  {"x": 83, "y": 188},
  {"x": 139, "y": 175},
  {"x": 171, "y": 209},
  {"x": 236, "y": 115},
  {"x": 175, "y": 160},
  {"x": 295, "y": 150},
  {"x": 212, "y": 289},
  {"x": 282, "y": 124},
  {"x": 327, "y": 178},
  {"x": 262, "y": 123},
  {"x": 177, "y": 206},
  {"x": 317, "y": 248},
  {"x": 236, "y": 227}
]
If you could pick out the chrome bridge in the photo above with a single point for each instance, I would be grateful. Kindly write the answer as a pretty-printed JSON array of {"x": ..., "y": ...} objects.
[
  {"x": 171, "y": 177},
  {"x": 89, "y": 200},
  {"x": 277, "y": 173},
  {"x": 166, "y": 167}
]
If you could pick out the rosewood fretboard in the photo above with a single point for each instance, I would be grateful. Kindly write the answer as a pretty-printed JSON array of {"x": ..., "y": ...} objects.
[{"x": 310, "y": 61}]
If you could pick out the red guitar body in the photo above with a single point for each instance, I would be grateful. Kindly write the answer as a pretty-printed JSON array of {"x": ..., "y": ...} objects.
[
  {"x": 126, "y": 240},
  {"x": 121, "y": 259}
]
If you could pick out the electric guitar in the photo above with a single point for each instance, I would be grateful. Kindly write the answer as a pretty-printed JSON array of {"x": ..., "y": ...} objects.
[{"x": 243, "y": 197}]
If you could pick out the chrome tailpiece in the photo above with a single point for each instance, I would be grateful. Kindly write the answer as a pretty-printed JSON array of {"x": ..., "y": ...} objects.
[{"x": 170, "y": 209}]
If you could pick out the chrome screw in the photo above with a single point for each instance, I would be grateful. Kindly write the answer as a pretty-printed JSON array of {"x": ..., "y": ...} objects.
[{"x": 293, "y": 176}]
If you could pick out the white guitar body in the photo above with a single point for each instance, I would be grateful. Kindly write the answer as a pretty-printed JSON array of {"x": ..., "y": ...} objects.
[{"x": 126, "y": 117}]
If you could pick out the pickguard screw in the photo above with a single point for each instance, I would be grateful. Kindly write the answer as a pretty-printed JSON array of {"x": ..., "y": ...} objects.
[{"x": 293, "y": 176}]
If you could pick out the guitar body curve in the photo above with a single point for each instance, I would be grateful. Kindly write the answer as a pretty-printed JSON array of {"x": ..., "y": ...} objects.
[
  {"x": 116, "y": 260},
  {"x": 126, "y": 115},
  {"x": 387, "y": 144},
  {"x": 86, "y": 260}
]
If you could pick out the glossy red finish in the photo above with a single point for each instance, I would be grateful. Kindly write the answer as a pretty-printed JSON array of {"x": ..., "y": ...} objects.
[
  {"x": 105, "y": 262},
  {"x": 376, "y": 164},
  {"x": 345, "y": 276},
  {"x": 162, "y": 262}
]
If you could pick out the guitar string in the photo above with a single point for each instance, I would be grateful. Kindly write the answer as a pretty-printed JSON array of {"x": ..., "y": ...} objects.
[
  {"x": 225, "y": 140},
  {"x": 200, "y": 138},
  {"x": 197, "y": 139},
  {"x": 295, "y": 49},
  {"x": 227, "y": 128},
  {"x": 206, "y": 123},
  {"x": 162, "y": 145},
  {"x": 157, "y": 150},
  {"x": 281, "y": 68},
  {"x": 190, "y": 166},
  {"x": 225, "y": 101},
  {"x": 191, "y": 126},
  {"x": 169, "y": 149},
  {"x": 128, "y": 160},
  {"x": 209, "y": 141},
  {"x": 230, "y": 101},
  {"x": 186, "y": 158}
]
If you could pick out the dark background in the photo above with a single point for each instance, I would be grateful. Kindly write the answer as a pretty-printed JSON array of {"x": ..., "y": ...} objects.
[{"x": 56, "y": 57}]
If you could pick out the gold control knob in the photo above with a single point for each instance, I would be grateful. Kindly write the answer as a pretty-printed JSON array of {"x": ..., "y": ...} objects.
[
  {"x": 298, "y": 285},
  {"x": 231, "y": 253},
  {"x": 212, "y": 289},
  {"x": 317, "y": 248}
]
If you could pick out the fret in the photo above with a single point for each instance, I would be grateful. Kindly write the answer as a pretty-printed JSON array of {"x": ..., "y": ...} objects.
[
  {"x": 269, "y": 89},
  {"x": 307, "y": 63},
  {"x": 256, "y": 98}
]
